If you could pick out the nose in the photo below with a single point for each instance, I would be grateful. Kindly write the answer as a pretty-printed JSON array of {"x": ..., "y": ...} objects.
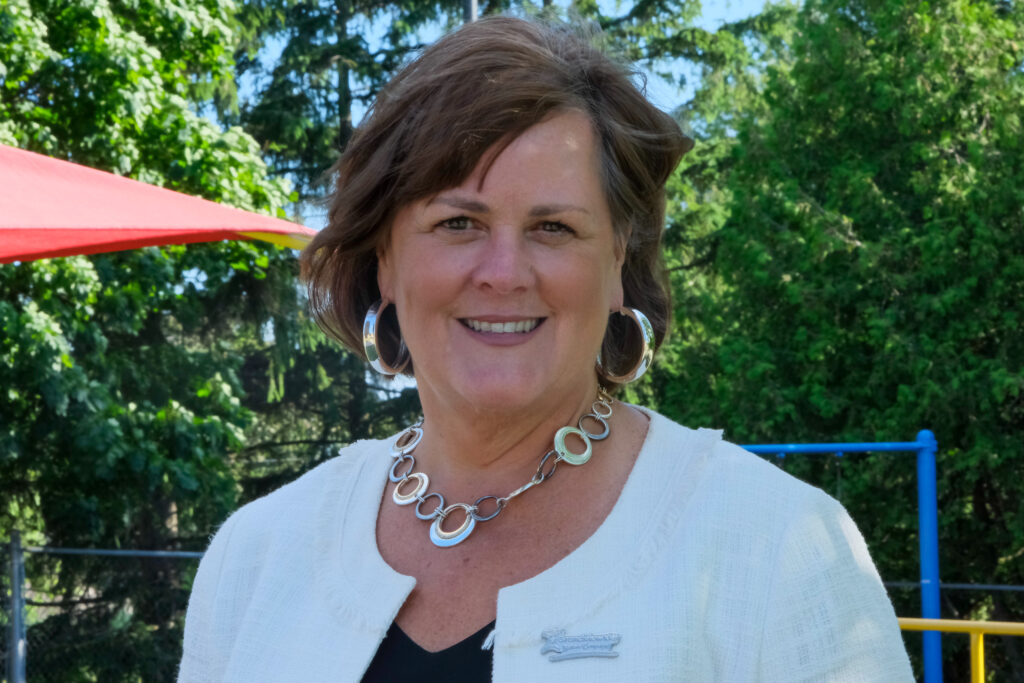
[{"x": 503, "y": 263}]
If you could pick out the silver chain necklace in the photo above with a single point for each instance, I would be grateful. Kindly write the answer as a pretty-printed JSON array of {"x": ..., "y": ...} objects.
[{"x": 405, "y": 444}]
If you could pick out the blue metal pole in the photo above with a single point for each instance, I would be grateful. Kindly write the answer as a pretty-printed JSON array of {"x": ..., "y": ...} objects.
[
  {"x": 928, "y": 532},
  {"x": 16, "y": 636}
]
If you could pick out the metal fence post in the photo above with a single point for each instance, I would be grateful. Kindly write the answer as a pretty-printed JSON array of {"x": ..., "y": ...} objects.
[
  {"x": 16, "y": 631},
  {"x": 928, "y": 533}
]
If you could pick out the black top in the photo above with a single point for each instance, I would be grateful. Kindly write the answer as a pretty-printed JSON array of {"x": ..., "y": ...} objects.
[{"x": 400, "y": 659}]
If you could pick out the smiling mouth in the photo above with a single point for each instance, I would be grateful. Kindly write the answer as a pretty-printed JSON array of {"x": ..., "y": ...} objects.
[{"x": 510, "y": 327}]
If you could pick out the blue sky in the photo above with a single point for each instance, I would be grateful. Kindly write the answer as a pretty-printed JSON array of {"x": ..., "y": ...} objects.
[
  {"x": 664, "y": 95},
  {"x": 717, "y": 13}
]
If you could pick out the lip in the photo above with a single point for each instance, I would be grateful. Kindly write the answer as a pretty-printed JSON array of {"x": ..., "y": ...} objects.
[
  {"x": 499, "y": 325},
  {"x": 501, "y": 338}
]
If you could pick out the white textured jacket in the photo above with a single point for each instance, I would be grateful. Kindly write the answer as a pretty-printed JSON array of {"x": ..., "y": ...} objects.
[{"x": 714, "y": 565}]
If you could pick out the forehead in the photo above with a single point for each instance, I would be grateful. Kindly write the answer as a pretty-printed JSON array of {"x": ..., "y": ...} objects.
[
  {"x": 564, "y": 131},
  {"x": 556, "y": 156}
]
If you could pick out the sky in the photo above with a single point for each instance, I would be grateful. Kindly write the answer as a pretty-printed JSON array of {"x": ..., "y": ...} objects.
[
  {"x": 717, "y": 13},
  {"x": 666, "y": 96},
  {"x": 662, "y": 94}
]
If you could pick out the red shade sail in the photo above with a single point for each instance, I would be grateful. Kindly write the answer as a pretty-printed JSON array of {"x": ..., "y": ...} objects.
[{"x": 50, "y": 207}]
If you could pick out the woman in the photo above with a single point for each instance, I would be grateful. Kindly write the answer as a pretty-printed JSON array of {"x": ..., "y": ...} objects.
[{"x": 494, "y": 230}]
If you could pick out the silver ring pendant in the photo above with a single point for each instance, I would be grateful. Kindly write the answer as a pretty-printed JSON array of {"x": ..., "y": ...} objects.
[
  {"x": 394, "y": 476},
  {"x": 422, "y": 482},
  {"x": 484, "y": 518},
  {"x": 412, "y": 435},
  {"x": 541, "y": 474},
  {"x": 446, "y": 539},
  {"x": 438, "y": 508},
  {"x": 600, "y": 420},
  {"x": 563, "y": 451},
  {"x": 605, "y": 408}
]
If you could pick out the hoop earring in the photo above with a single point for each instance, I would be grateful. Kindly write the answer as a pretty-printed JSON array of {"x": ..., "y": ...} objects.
[
  {"x": 646, "y": 351},
  {"x": 372, "y": 348}
]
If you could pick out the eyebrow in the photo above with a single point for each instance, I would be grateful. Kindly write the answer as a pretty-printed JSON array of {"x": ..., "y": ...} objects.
[{"x": 480, "y": 207}]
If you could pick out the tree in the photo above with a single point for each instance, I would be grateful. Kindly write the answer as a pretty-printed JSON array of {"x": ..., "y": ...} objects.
[
  {"x": 122, "y": 397},
  {"x": 731, "y": 68},
  {"x": 334, "y": 54},
  {"x": 870, "y": 279}
]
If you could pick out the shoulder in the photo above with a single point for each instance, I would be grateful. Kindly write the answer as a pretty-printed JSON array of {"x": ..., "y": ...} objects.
[
  {"x": 732, "y": 477},
  {"x": 286, "y": 516},
  {"x": 747, "y": 509},
  {"x": 263, "y": 549},
  {"x": 792, "y": 555}
]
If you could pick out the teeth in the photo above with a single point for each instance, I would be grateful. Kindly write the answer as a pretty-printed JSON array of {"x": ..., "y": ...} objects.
[{"x": 519, "y": 326}]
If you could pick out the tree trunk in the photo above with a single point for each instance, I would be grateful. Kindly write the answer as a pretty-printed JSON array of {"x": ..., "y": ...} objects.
[{"x": 343, "y": 14}]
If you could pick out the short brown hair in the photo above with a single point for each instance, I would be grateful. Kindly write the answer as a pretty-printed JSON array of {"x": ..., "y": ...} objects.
[{"x": 480, "y": 86}]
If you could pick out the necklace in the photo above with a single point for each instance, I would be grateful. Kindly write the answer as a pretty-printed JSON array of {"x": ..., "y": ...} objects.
[{"x": 410, "y": 437}]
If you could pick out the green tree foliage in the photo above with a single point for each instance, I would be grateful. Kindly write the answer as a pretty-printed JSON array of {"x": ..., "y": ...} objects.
[
  {"x": 729, "y": 67},
  {"x": 334, "y": 55},
  {"x": 144, "y": 391},
  {"x": 845, "y": 248},
  {"x": 866, "y": 281},
  {"x": 116, "y": 86}
]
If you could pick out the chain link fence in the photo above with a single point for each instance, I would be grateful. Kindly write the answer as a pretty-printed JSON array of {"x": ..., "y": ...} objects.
[{"x": 95, "y": 615}]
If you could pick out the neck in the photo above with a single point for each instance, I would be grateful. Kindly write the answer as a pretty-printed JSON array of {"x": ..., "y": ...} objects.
[{"x": 471, "y": 452}]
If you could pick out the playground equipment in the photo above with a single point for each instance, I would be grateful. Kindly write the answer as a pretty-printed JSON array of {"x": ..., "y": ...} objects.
[
  {"x": 50, "y": 207},
  {"x": 977, "y": 629}
]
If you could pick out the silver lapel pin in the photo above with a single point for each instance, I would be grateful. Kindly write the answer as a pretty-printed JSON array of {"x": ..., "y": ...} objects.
[{"x": 561, "y": 646}]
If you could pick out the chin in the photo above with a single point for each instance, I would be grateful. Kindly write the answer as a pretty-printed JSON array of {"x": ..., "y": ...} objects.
[
  {"x": 486, "y": 383},
  {"x": 510, "y": 389},
  {"x": 491, "y": 396}
]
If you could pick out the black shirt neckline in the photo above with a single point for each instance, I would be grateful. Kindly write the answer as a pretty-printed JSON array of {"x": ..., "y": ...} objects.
[{"x": 400, "y": 658}]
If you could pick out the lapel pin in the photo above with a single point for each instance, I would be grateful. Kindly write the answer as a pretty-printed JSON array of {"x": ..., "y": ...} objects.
[{"x": 558, "y": 646}]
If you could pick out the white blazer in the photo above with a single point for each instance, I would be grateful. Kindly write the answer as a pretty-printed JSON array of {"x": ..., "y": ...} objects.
[{"x": 714, "y": 565}]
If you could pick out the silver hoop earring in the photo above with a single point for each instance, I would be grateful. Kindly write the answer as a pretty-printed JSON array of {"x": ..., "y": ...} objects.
[
  {"x": 372, "y": 348},
  {"x": 646, "y": 351}
]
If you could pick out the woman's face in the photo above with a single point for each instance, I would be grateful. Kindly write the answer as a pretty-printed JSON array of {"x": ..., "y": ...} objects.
[{"x": 503, "y": 285}]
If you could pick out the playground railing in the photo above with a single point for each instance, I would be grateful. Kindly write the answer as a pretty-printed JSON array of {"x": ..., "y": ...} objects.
[{"x": 977, "y": 631}]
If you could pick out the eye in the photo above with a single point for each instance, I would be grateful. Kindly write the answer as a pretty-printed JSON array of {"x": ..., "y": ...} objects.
[
  {"x": 456, "y": 224},
  {"x": 556, "y": 228}
]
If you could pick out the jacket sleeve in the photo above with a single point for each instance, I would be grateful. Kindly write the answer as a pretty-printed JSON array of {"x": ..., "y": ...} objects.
[
  {"x": 207, "y": 637},
  {"x": 828, "y": 617}
]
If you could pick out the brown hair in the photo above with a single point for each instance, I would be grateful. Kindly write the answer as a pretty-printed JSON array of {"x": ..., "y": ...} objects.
[{"x": 481, "y": 86}]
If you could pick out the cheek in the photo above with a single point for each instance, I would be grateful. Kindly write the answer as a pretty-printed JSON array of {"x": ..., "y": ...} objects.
[
  {"x": 400, "y": 274},
  {"x": 423, "y": 289},
  {"x": 593, "y": 291}
]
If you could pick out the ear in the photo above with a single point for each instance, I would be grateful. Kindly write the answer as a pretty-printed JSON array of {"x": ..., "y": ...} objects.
[
  {"x": 616, "y": 296},
  {"x": 385, "y": 275}
]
